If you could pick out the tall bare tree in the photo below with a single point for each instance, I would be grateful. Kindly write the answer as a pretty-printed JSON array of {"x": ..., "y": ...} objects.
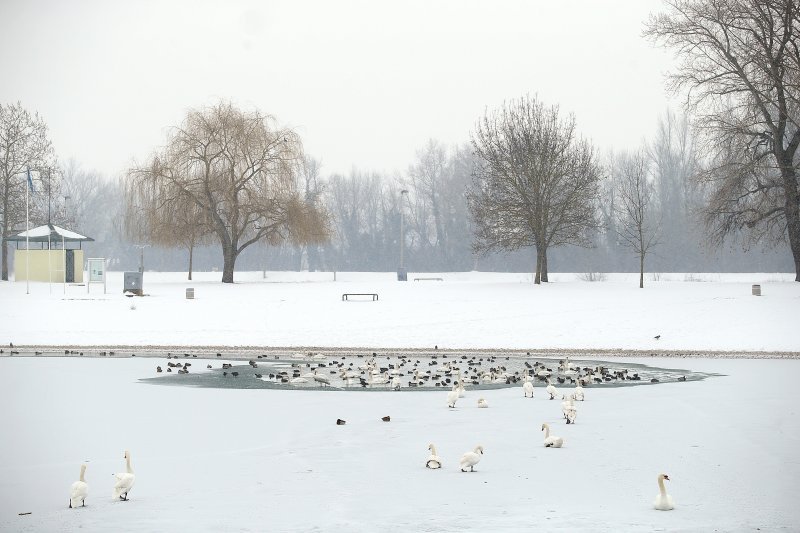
[
  {"x": 740, "y": 63},
  {"x": 238, "y": 170},
  {"x": 23, "y": 145},
  {"x": 536, "y": 182},
  {"x": 637, "y": 223}
]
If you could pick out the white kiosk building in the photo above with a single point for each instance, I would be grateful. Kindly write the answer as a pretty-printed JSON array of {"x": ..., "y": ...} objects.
[{"x": 57, "y": 262}]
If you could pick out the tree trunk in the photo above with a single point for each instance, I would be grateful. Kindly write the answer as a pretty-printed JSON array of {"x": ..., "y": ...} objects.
[
  {"x": 540, "y": 259},
  {"x": 641, "y": 270},
  {"x": 792, "y": 212},
  {"x": 544, "y": 266},
  {"x": 4, "y": 259},
  {"x": 228, "y": 262},
  {"x": 191, "y": 254}
]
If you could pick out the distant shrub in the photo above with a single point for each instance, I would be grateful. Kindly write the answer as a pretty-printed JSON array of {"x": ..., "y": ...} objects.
[{"x": 592, "y": 276}]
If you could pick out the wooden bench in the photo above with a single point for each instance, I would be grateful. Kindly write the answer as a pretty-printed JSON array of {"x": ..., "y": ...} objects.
[
  {"x": 428, "y": 279},
  {"x": 346, "y": 295}
]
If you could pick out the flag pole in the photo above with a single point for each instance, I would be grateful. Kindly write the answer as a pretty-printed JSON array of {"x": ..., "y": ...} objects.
[{"x": 27, "y": 238}]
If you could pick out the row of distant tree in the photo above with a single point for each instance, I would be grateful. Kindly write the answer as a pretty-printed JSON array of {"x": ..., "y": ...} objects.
[{"x": 526, "y": 193}]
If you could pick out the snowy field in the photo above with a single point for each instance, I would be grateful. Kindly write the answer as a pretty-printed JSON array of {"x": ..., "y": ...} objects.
[
  {"x": 466, "y": 310},
  {"x": 211, "y": 459}
]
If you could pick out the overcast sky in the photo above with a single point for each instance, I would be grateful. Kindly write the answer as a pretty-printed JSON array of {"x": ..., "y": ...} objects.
[{"x": 366, "y": 84}]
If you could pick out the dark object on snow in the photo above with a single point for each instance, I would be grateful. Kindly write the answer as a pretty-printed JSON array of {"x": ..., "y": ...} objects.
[
  {"x": 158, "y": 369},
  {"x": 657, "y": 337},
  {"x": 340, "y": 422},
  {"x": 682, "y": 378},
  {"x": 654, "y": 380},
  {"x": 386, "y": 418},
  {"x": 23, "y": 514}
]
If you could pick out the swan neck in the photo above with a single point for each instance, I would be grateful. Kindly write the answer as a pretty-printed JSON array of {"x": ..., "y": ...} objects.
[
  {"x": 83, "y": 471},
  {"x": 546, "y": 431},
  {"x": 433, "y": 449},
  {"x": 661, "y": 486},
  {"x": 128, "y": 464}
]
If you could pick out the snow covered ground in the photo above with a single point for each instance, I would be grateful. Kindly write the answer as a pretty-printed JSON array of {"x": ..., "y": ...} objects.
[
  {"x": 466, "y": 310},
  {"x": 211, "y": 459}
]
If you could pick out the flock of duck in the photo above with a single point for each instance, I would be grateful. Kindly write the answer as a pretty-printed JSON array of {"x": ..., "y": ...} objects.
[
  {"x": 469, "y": 459},
  {"x": 406, "y": 371},
  {"x": 123, "y": 484}
]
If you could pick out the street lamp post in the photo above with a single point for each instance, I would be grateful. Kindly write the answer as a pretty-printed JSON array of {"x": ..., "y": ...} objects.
[{"x": 402, "y": 274}]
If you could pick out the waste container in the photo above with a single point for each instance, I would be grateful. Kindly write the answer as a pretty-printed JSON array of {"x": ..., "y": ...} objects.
[
  {"x": 190, "y": 293},
  {"x": 133, "y": 283},
  {"x": 756, "y": 290}
]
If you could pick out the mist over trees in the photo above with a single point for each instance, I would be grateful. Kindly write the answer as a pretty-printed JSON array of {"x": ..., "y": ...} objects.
[
  {"x": 740, "y": 63},
  {"x": 227, "y": 173},
  {"x": 536, "y": 182},
  {"x": 24, "y": 148},
  {"x": 715, "y": 189}
]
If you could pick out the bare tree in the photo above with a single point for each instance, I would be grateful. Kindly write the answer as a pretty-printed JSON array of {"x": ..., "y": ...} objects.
[
  {"x": 23, "y": 145},
  {"x": 536, "y": 182},
  {"x": 238, "y": 170},
  {"x": 637, "y": 225},
  {"x": 741, "y": 67}
]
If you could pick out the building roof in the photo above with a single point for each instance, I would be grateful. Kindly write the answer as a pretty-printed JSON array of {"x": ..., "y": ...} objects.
[{"x": 49, "y": 232}]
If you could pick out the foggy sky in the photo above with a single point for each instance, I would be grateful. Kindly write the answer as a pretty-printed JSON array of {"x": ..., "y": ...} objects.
[{"x": 364, "y": 83}]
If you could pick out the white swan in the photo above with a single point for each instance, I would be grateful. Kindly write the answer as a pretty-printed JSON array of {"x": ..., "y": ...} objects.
[
  {"x": 460, "y": 384},
  {"x": 551, "y": 390},
  {"x": 527, "y": 389},
  {"x": 452, "y": 396},
  {"x": 322, "y": 380},
  {"x": 433, "y": 461},
  {"x": 298, "y": 381},
  {"x": 551, "y": 442},
  {"x": 124, "y": 479},
  {"x": 569, "y": 409},
  {"x": 663, "y": 500},
  {"x": 578, "y": 393},
  {"x": 396, "y": 384},
  {"x": 79, "y": 491},
  {"x": 470, "y": 459},
  {"x": 482, "y": 403}
]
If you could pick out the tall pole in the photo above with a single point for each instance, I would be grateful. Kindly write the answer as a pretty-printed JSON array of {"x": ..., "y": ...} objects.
[{"x": 27, "y": 237}]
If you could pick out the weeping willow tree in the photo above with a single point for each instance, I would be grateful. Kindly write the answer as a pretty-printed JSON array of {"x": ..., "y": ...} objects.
[{"x": 226, "y": 175}]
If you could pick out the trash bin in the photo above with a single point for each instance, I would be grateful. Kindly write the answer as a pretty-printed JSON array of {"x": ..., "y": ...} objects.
[
  {"x": 133, "y": 283},
  {"x": 756, "y": 290},
  {"x": 190, "y": 293}
]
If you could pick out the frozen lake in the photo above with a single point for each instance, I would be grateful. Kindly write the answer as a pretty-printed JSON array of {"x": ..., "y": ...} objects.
[{"x": 211, "y": 459}]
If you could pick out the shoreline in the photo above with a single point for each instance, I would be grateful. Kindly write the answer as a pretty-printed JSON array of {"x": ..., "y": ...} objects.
[{"x": 247, "y": 352}]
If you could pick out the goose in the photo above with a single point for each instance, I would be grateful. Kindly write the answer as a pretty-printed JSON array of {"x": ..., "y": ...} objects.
[
  {"x": 79, "y": 491},
  {"x": 663, "y": 500},
  {"x": 551, "y": 390},
  {"x": 124, "y": 479},
  {"x": 433, "y": 461},
  {"x": 452, "y": 397},
  {"x": 482, "y": 403},
  {"x": 470, "y": 459},
  {"x": 527, "y": 389},
  {"x": 551, "y": 442}
]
